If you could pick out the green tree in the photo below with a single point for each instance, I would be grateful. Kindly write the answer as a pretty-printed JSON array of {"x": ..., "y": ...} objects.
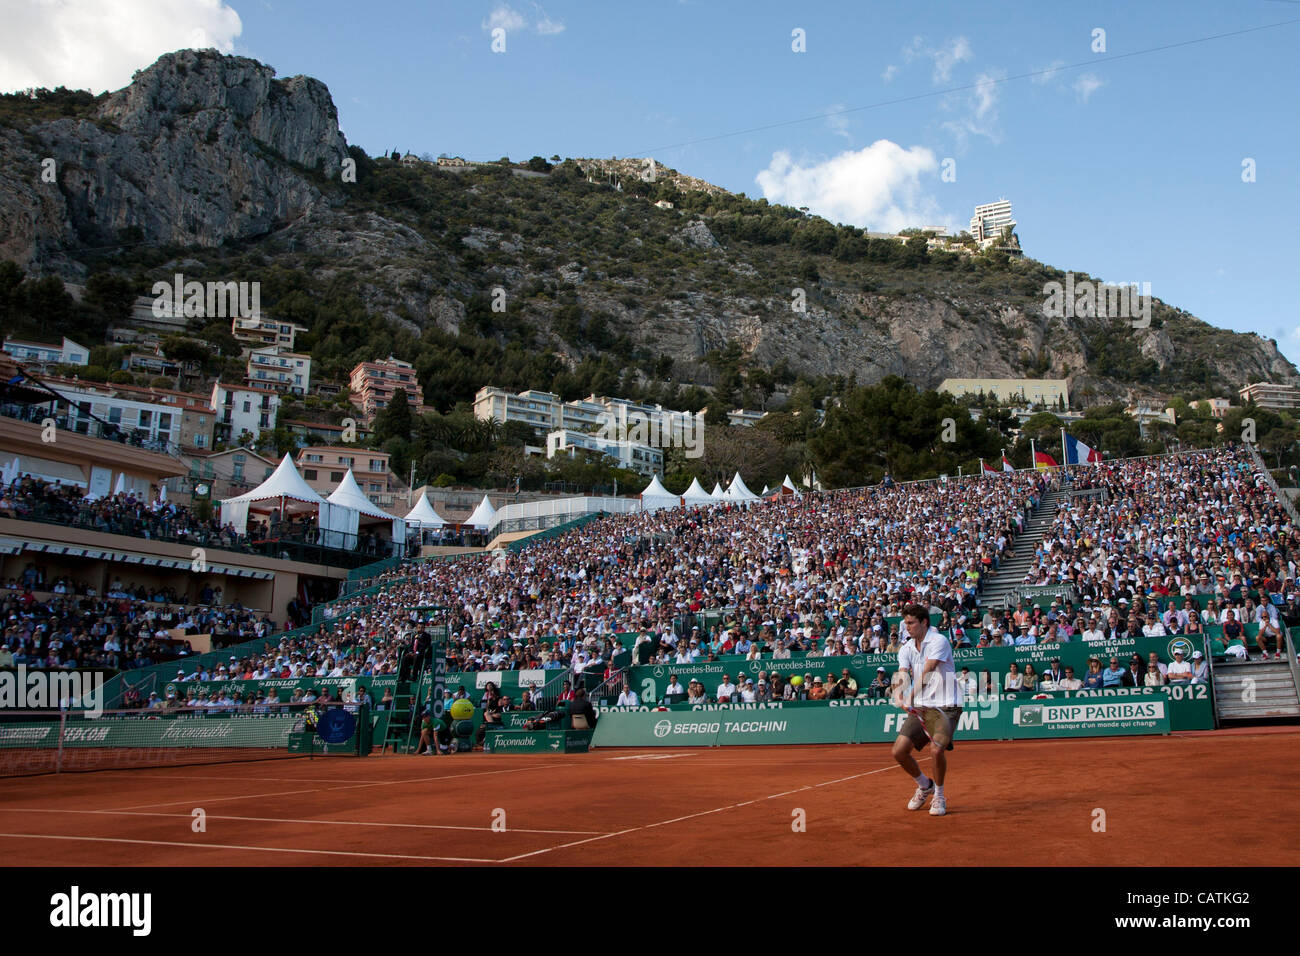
[{"x": 394, "y": 421}]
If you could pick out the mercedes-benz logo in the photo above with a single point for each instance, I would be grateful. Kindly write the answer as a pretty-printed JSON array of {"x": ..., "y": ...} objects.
[
  {"x": 663, "y": 728},
  {"x": 659, "y": 672}
]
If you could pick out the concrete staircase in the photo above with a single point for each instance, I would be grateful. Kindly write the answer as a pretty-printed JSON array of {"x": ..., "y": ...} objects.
[
  {"x": 1012, "y": 573},
  {"x": 1251, "y": 690}
]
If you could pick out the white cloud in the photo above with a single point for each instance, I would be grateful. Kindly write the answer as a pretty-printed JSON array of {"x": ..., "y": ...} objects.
[
  {"x": 508, "y": 18},
  {"x": 891, "y": 71},
  {"x": 945, "y": 58},
  {"x": 838, "y": 122},
  {"x": 1088, "y": 84},
  {"x": 979, "y": 109},
  {"x": 98, "y": 44},
  {"x": 1048, "y": 73},
  {"x": 877, "y": 187}
]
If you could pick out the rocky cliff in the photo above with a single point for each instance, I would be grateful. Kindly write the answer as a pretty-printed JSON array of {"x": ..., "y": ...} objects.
[{"x": 202, "y": 152}]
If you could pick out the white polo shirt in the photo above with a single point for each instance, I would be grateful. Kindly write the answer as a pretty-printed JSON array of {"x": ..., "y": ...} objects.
[{"x": 940, "y": 689}]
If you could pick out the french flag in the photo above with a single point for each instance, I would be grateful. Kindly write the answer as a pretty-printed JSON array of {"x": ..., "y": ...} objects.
[{"x": 1077, "y": 453}]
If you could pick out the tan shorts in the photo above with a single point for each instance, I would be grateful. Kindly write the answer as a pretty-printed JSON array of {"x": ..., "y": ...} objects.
[{"x": 941, "y": 722}]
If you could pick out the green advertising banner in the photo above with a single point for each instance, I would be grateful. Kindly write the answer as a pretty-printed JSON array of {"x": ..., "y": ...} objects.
[
  {"x": 1089, "y": 717},
  {"x": 986, "y": 719},
  {"x": 725, "y": 728},
  {"x": 863, "y": 720},
  {"x": 650, "y": 681},
  {"x": 236, "y": 730},
  {"x": 510, "y": 683},
  {"x": 538, "y": 741},
  {"x": 285, "y": 686}
]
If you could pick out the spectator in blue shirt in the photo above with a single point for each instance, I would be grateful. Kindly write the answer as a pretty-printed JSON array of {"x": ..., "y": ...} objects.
[{"x": 1113, "y": 676}]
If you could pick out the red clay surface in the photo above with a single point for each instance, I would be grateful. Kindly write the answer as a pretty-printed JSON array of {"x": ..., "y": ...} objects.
[{"x": 1211, "y": 799}]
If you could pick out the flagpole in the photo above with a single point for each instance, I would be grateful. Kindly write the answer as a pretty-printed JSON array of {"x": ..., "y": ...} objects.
[
  {"x": 1033, "y": 456},
  {"x": 1065, "y": 459}
]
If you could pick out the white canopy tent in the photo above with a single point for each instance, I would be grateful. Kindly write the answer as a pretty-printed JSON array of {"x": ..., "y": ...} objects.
[
  {"x": 717, "y": 494},
  {"x": 282, "y": 491},
  {"x": 765, "y": 492},
  {"x": 788, "y": 488},
  {"x": 349, "y": 495},
  {"x": 737, "y": 491},
  {"x": 423, "y": 516},
  {"x": 483, "y": 515},
  {"x": 696, "y": 495},
  {"x": 656, "y": 496}
]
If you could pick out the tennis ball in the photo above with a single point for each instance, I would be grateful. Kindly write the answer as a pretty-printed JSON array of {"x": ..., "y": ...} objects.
[
  {"x": 462, "y": 709},
  {"x": 796, "y": 680}
]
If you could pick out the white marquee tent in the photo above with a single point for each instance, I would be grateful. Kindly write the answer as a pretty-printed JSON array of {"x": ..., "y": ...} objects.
[
  {"x": 349, "y": 495},
  {"x": 738, "y": 492},
  {"x": 423, "y": 516},
  {"x": 656, "y": 496},
  {"x": 696, "y": 495},
  {"x": 483, "y": 515},
  {"x": 284, "y": 491}
]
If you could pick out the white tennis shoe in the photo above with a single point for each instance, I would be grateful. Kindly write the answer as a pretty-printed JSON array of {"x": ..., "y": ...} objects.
[
  {"x": 939, "y": 806},
  {"x": 919, "y": 798}
]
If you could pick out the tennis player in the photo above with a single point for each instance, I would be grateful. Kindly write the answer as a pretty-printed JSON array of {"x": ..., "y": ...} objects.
[{"x": 928, "y": 690}]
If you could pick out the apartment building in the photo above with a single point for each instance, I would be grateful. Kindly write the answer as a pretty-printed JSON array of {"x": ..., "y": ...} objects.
[
  {"x": 274, "y": 367},
  {"x": 263, "y": 332},
  {"x": 323, "y": 467},
  {"x": 989, "y": 221},
  {"x": 197, "y": 416},
  {"x": 39, "y": 356},
  {"x": 1029, "y": 391},
  {"x": 1268, "y": 395},
  {"x": 639, "y": 458},
  {"x": 242, "y": 408},
  {"x": 107, "y": 411},
  {"x": 373, "y": 384}
]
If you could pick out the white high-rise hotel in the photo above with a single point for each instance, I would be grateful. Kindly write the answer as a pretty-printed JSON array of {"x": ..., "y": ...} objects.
[{"x": 989, "y": 220}]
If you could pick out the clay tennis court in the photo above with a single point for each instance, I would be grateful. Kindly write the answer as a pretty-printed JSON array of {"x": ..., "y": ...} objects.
[{"x": 1219, "y": 798}]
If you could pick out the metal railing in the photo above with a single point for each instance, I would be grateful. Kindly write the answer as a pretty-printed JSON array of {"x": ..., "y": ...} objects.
[
  {"x": 146, "y": 439},
  {"x": 1272, "y": 483}
]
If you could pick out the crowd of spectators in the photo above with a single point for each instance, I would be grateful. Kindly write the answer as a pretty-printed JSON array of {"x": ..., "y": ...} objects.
[
  {"x": 32, "y": 499},
  {"x": 821, "y": 575},
  {"x": 78, "y": 628}
]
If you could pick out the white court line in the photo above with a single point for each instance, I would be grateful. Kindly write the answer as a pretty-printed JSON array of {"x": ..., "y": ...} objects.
[
  {"x": 333, "y": 823},
  {"x": 689, "y": 816},
  {"x": 350, "y": 786},
  {"x": 650, "y": 757},
  {"x": 231, "y": 846}
]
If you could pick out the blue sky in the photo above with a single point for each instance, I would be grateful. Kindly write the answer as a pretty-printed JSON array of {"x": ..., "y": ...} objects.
[{"x": 1128, "y": 168}]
